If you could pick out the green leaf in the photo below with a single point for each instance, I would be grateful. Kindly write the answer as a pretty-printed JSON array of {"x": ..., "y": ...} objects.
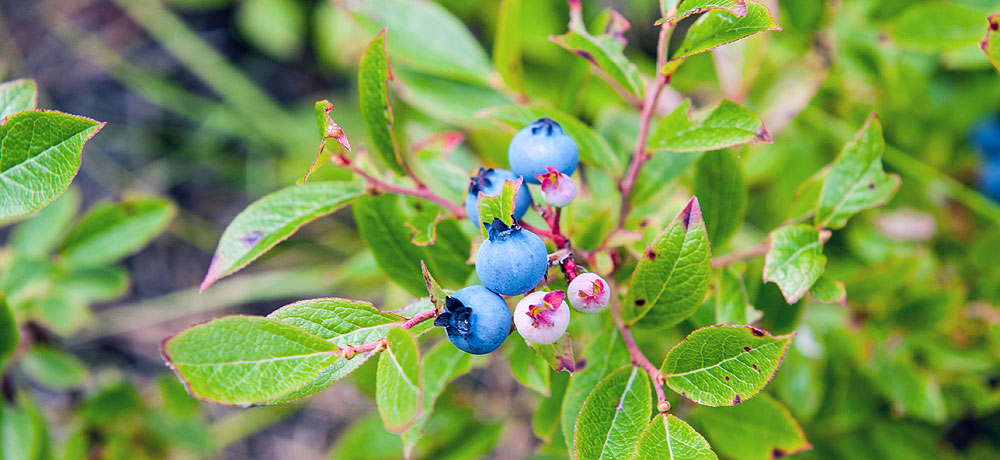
[
  {"x": 559, "y": 355},
  {"x": 8, "y": 332},
  {"x": 728, "y": 125},
  {"x": 339, "y": 321},
  {"x": 856, "y": 180},
  {"x": 246, "y": 359},
  {"x": 507, "y": 45},
  {"x": 500, "y": 206},
  {"x": 724, "y": 365},
  {"x": 671, "y": 279},
  {"x": 379, "y": 222},
  {"x": 594, "y": 149},
  {"x": 398, "y": 392},
  {"x": 276, "y": 27},
  {"x": 23, "y": 430},
  {"x": 718, "y": 27},
  {"x": 39, "y": 235},
  {"x": 614, "y": 416},
  {"x": 423, "y": 223},
  {"x": 448, "y": 257},
  {"x": 442, "y": 364},
  {"x": 426, "y": 37},
  {"x": 828, "y": 290},
  {"x": 339, "y": 369},
  {"x": 111, "y": 231},
  {"x": 795, "y": 260},
  {"x": 758, "y": 429},
  {"x": 731, "y": 300},
  {"x": 342, "y": 322},
  {"x": 376, "y": 109},
  {"x": 39, "y": 157},
  {"x": 606, "y": 52},
  {"x": 17, "y": 96},
  {"x": 53, "y": 368},
  {"x": 545, "y": 421},
  {"x": 661, "y": 169},
  {"x": 450, "y": 101},
  {"x": 991, "y": 44},
  {"x": 272, "y": 219},
  {"x": 669, "y": 437},
  {"x": 722, "y": 193},
  {"x": 606, "y": 353},
  {"x": 437, "y": 295},
  {"x": 688, "y": 7},
  {"x": 528, "y": 368},
  {"x": 94, "y": 284},
  {"x": 937, "y": 26}
]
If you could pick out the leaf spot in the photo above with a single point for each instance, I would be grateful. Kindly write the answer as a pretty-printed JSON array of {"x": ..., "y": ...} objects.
[
  {"x": 727, "y": 379},
  {"x": 777, "y": 453},
  {"x": 651, "y": 254},
  {"x": 746, "y": 348},
  {"x": 737, "y": 399},
  {"x": 640, "y": 302},
  {"x": 757, "y": 332},
  {"x": 252, "y": 238}
]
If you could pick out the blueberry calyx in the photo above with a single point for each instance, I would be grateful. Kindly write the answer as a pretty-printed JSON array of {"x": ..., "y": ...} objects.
[
  {"x": 499, "y": 230},
  {"x": 455, "y": 318},
  {"x": 546, "y": 125},
  {"x": 480, "y": 181}
]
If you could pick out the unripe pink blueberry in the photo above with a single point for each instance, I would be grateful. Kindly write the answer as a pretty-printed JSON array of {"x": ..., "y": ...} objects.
[
  {"x": 542, "y": 317},
  {"x": 558, "y": 189},
  {"x": 588, "y": 293}
]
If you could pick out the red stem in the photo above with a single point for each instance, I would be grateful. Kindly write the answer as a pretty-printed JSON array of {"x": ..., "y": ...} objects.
[
  {"x": 421, "y": 191},
  {"x": 349, "y": 351},
  {"x": 639, "y": 154},
  {"x": 639, "y": 359}
]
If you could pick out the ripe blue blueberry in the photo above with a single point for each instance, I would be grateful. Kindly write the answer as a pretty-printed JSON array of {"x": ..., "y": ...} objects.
[
  {"x": 490, "y": 183},
  {"x": 985, "y": 137},
  {"x": 511, "y": 261},
  {"x": 542, "y": 317},
  {"x": 476, "y": 320},
  {"x": 542, "y": 144},
  {"x": 989, "y": 179}
]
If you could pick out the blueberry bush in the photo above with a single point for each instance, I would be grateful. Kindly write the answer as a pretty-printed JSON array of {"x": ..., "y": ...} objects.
[{"x": 716, "y": 229}]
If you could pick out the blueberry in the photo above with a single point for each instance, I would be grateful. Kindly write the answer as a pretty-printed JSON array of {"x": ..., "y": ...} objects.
[
  {"x": 542, "y": 317},
  {"x": 542, "y": 144},
  {"x": 490, "y": 183},
  {"x": 511, "y": 261},
  {"x": 588, "y": 293},
  {"x": 557, "y": 188},
  {"x": 989, "y": 179},
  {"x": 476, "y": 320},
  {"x": 985, "y": 137}
]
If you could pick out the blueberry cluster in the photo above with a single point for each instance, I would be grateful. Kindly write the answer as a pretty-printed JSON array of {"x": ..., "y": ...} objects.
[
  {"x": 513, "y": 261},
  {"x": 985, "y": 138}
]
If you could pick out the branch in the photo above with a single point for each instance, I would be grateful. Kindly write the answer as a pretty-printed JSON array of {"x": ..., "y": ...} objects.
[
  {"x": 733, "y": 257},
  {"x": 639, "y": 154},
  {"x": 349, "y": 351},
  {"x": 421, "y": 191},
  {"x": 639, "y": 359}
]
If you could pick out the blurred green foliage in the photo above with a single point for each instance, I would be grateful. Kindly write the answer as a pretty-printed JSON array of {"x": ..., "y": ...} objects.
[{"x": 907, "y": 369}]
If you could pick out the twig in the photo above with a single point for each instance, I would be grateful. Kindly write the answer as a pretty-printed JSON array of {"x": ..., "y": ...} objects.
[
  {"x": 733, "y": 257},
  {"x": 349, "y": 351},
  {"x": 421, "y": 191},
  {"x": 639, "y": 359}
]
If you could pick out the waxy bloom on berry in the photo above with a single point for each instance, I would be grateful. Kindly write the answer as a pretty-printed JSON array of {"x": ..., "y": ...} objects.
[
  {"x": 542, "y": 317},
  {"x": 558, "y": 189},
  {"x": 588, "y": 293}
]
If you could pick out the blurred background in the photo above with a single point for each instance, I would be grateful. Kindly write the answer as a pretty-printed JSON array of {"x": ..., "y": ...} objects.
[{"x": 209, "y": 105}]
